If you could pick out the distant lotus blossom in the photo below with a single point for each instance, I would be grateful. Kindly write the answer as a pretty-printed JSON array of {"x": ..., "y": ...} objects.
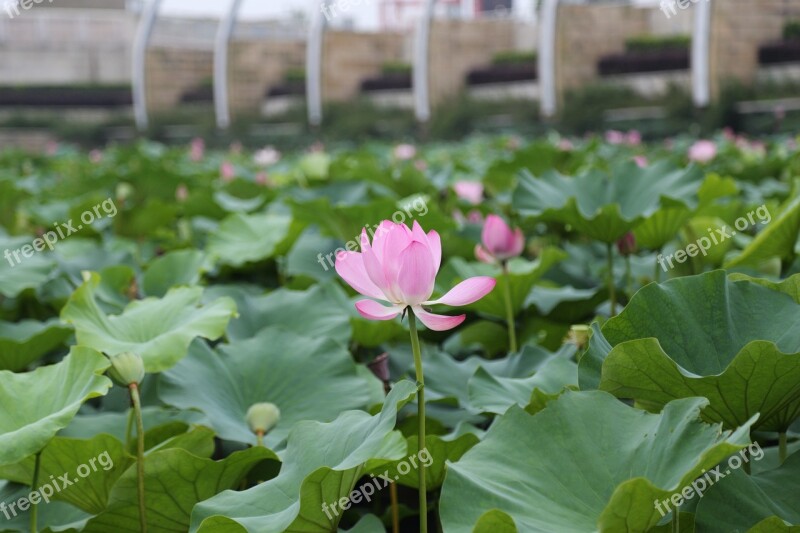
[
  {"x": 499, "y": 242},
  {"x": 198, "y": 149},
  {"x": 514, "y": 143},
  {"x": 182, "y": 193},
  {"x": 421, "y": 165},
  {"x": 565, "y": 145},
  {"x": 400, "y": 268},
  {"x": 404, "y": 152},
  {"x": 51, "y": 148},
  {"x": 262, "y": 178},
  {"x": 633, "y": 138},
  {"x": 267, "y": 156},
  {"x": 469, "y": 191},
  {"x": 703, "y": 151},
  {"x": 473, "y": 217},
  {"x": 641, "y": 161},
  {"x": 729, "y": 134},
  {"x": 627, "y": 244},
  {"x": 227, "y": 171},
  {"x": 96, "y": 156},
  {"x": 317, "y": 147}
]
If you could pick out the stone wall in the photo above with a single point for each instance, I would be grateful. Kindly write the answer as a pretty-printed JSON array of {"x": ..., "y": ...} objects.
[
  {"x": 458, "y": 46},
  {"x": 738, "y": 28},
  {"x": 255, "y": 66},
  {"x": 585, "y": 33},
  {"x": 350, "y": 57},
  {"x": 171, "y": 72}
]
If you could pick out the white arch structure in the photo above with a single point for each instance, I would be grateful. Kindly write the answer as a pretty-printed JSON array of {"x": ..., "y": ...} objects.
[
  {"x": 138, "y": 77},
  {"x": 223, "y": 38},
  {"x": 419, "y": 72},
  {"x": 316, "y": 35},
  {"x": 546, "y": 62},
  {"x": 701, "y": 50}
]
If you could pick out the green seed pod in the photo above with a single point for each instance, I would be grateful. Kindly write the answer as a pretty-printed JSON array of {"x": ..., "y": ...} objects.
[
  {"x": 127, "y": 368},
  {"x": 579, "y": 335},
  {"x": 261, "y": 417}
]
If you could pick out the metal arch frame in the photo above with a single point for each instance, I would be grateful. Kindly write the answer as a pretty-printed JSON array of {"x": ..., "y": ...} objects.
[
  {"x": 701, "y": 52},
  {"x": 221, "y": 43},
  {"x": 422, "y": 104},
  {"x": 547, "y": 58},
  {"x": 316, "y": 35},
  {"x": 139, "y": 62}
]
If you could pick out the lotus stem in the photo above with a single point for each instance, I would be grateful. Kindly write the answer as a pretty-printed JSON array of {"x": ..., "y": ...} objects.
[
  {"x": 137, "y": 407},
  {"x": 676, "y": 521},
  {"x": 782, "y": 446},
  {"x": 628, "y": 277},
  {"x": 423, "y": 493},
  {"x": 512, "y": 333},
  {"x": 395, "y": 508},
  {"x": 34, "y": 484},
  {"x": 612, "y": 290},
  {"x": 260, "y": 438},
  {"x": 129, "y": 428},
  {"x": 657, "y": 275}
]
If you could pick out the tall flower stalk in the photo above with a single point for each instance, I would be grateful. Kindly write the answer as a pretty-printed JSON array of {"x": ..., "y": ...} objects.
[
  {"x": 399, "y": 267},
  {"x": 127, "y": 369}
]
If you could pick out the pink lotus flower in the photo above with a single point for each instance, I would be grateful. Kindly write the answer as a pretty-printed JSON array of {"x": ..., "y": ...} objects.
[
  {"x": 96, "y": 156},
  {"x": 267, "y": 156},
  {"x": 182, "y": 193},
  {"x": 615, "y": 137},
  {"x": 703, "y": 151},
  {"x": 421, "y": 165},
  {"x": 470, "y": 191},
  {"x": 633, "y": 138},
  {"x": 640, "y": 160},
  {"x": 400, "y": 268},
  {"x": 565, "y": 145},
  {"x": 227, "y": 171},
  {"x": 262, "y": 178},
  {"x": 198, "y": 149},
  {"x": 500, "y": 243},
  {"x": 404, "y": 152},
  {"x": 627, "y": 244}
]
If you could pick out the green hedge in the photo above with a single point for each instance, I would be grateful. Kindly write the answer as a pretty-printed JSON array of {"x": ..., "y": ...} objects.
[
  {"x": 650, "y": 43},
  {"x": 514, "y": 57},
  {"x": 395, "y": 67},
  {"x": 791, "y": 30}
]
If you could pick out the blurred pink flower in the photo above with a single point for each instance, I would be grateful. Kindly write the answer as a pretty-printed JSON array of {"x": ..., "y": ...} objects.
[
  {"x": 499, "y": 242},
  {"x": 633, "y": 138},
  {"x": 227, "y": 171},
  {"x": 615, "y": 137},
  {"x": 469, "y": 191},
  {"x": 198, "y": 149},
  {"x": 404, "y": 152},
  {"x": 565, "y": 145},
  {"x": 627, "y": 244},
  {"x": 182, "y": 193},
  {"x": 513, "y": 143},
  {"x": 267, "y": 156},
  {"x": 262, "y": 178},
  {"x": 703, "y": 151},
  {"x": 400, "y": 268},
  {"x": 421, "y": 165},
  {"x": 640, "y": 160},
  {"x": 51, "y": 148},
  {"x": 95, "y": 156}
]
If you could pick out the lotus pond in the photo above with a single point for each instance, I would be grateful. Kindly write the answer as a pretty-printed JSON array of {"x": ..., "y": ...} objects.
[{"x": 500, "y": 335}]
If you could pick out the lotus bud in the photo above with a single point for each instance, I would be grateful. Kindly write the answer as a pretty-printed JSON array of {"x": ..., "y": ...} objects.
[
  {"x": 380, "y": 367},
  {"x": 579, "y": 335},
  {"x": 627, "y": 244},
  {"x": 261, "y": 417},
  {"x": 127, "y": 368},
  {"x": 124, "y": 191}
]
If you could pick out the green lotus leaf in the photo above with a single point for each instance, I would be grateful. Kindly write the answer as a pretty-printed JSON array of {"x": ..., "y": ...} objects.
[
  {"x": 93, "y": 466},
  {"x": 24, "y": 342},
  {"x": 777, "y": 239},
  {"x": 523, "y": 275},
  {"x": 160, "y": 330},
  {"x": 369, "y": 524},
  {"x": 308, "y": 378},
  {"x": 29, "y": 273},
  {"x": 86, "y": 425},
  {"x": 587, "y": 462},
  {"x": 495, "y": 394},
  {"x": 662, "y": 226},
  {"x": 439, "y": 450},
  {"x": 54, "y": 516},
  {"x": 178, "y": 268},
  {"x": 733, "y": 342},
  {"x": 34, "y": 406},
  {"x": 605, "y": 207},
  {"x": 762, "y": 502},
  {"x": 175, "y": 481},
  {"x": 312, "y": 475},
  {"x": 322, "y": 309},
  {"x": 242, "y": 239}
]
